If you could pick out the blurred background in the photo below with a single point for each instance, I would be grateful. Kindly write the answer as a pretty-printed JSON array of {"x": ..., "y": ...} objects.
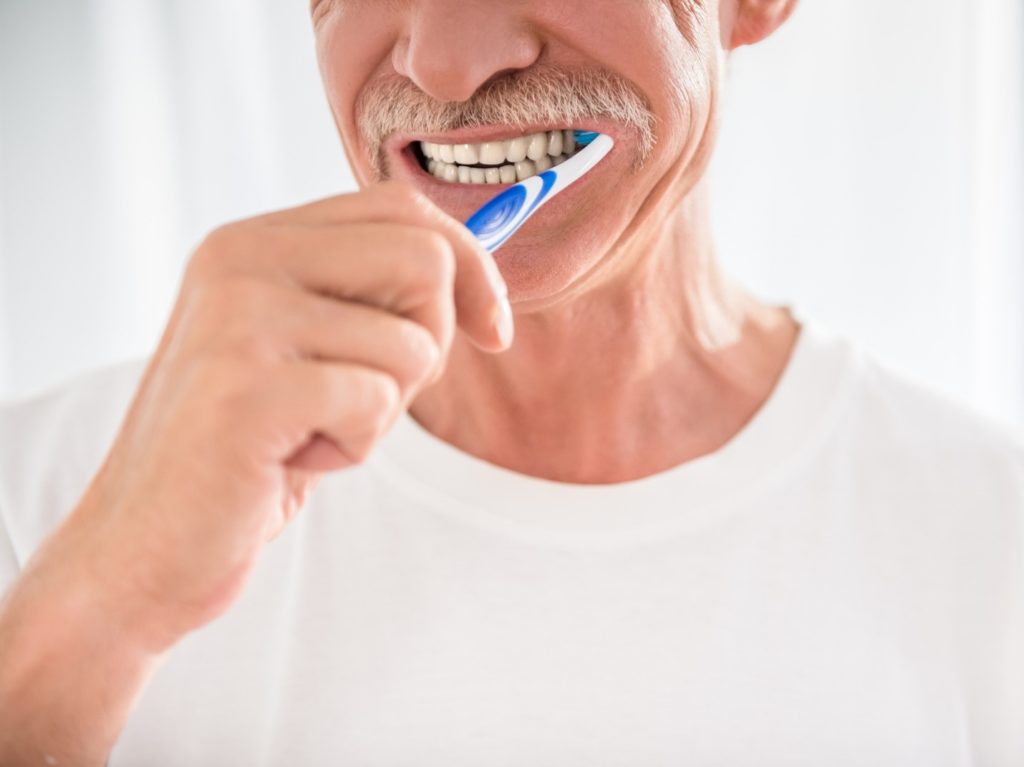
[{"x": 870, "y": 172}]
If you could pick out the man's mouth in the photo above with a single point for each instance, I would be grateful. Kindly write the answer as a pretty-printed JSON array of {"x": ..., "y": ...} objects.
[{"x": 496, "y": 162}]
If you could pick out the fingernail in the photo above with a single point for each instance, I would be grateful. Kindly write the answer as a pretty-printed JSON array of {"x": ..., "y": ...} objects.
[{"x": 503, "y": 323}]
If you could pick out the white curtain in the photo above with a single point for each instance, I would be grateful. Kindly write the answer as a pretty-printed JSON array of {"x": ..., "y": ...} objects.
[
  {"x": 129, "y": 129},
  {"x": 871, "y": 170}
]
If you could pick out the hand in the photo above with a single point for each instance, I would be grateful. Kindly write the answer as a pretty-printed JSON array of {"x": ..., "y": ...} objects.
[{"x": 295, "y": 342}]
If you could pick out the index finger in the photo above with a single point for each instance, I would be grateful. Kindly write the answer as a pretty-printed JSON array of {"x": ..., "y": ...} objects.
[{"x": 481, "y": 296}]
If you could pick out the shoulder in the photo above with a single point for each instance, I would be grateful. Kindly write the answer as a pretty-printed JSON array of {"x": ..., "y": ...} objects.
[
  {"x": 917, "y": 413},
  {"x": 911, "y": 429},
  {"x": 52, "y": 444}
]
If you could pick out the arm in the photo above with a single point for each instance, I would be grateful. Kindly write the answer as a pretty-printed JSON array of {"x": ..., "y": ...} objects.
[
  {"x": 296, "y": 340},
  {"x": 70, "y": 667}
]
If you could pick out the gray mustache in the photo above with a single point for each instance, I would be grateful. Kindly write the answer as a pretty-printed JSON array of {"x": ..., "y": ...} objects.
[{"x": 543, "y": 95}]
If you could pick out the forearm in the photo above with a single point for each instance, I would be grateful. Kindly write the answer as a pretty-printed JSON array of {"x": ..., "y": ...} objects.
[{"x": 69, "y": 671}]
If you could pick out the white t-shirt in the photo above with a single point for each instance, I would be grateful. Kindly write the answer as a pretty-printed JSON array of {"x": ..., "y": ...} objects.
[{"x": 840, "y": 584}]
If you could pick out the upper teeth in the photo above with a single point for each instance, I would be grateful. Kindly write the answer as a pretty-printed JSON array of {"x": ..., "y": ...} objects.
[{"x": 508, "y": 161}]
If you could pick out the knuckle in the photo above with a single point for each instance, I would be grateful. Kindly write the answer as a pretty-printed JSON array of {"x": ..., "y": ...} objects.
[
  {"x": 377, "y": 396},
  {"x": 227, "y": 387},
  {"x": 435, "y": 261},
  {"x": 421, "y": 352},
  {"x": 377, "y": 400},
  {"x": 243, "y": 297},
  {"x": 215, "y": 252},
  {"x": 243, "y": 247},
  {"x": 387, "y": 396},
  {"x": 232, "y": 316},
  {"x": 255, "y": 350},
  {"x": 234, "y": 406},
  {"x": 212, "y": 302},
  {"x": 241, "y": 300}
]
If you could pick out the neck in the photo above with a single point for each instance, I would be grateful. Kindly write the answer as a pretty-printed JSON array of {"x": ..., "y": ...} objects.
[{"x": 658, "y": 365}]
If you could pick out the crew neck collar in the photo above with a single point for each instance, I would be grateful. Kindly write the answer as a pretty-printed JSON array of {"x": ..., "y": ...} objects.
[{"x": 782, "y": 433}]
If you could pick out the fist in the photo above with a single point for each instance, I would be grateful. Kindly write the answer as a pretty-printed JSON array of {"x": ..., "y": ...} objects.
[{"x": 296, "y": 340}]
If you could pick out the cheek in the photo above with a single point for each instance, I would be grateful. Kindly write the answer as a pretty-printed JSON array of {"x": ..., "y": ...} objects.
[
  {"x": 684, "y": 73},
  {"x": 645, "y": 41},
  {"x": 352, "y": 45},
  {"x": 680, "y": 68}
]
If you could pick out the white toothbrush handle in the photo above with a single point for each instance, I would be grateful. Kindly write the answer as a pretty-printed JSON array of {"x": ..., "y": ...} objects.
[{"x": 577, "y": 166}]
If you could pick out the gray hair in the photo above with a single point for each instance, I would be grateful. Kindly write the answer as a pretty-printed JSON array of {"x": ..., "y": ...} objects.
[{"x": 541, "y": 94}]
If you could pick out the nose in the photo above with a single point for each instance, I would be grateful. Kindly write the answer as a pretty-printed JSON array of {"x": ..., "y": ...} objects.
[{"x": 452, "y": 47}]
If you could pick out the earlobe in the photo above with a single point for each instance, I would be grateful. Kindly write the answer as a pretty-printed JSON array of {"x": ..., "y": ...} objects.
[{"x": 757, "y": 19}]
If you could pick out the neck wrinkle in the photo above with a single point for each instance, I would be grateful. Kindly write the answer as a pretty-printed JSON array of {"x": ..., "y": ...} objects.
[{"x": 663, "y": 361}]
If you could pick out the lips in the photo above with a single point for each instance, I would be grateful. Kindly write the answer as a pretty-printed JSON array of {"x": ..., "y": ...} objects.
[
  {"x": 496, "y": 162},
  {"x": 405, "y": 161}
]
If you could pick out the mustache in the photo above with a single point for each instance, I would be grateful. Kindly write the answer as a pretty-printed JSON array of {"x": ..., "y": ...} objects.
[{"x": 540, "y": 95}]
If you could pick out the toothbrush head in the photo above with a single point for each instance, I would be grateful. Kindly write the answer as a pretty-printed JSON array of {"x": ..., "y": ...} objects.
[{"x": 585, "y": 137}]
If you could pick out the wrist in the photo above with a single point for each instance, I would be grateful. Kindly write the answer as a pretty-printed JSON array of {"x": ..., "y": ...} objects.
[
  {"x": 69, "y": 673},
  {"x": 121, "y": 586},
  {"x": 72, "y": 576}
]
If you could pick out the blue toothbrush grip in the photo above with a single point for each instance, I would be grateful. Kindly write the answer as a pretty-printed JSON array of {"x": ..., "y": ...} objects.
[
  {"x": 499, "y": 219},
  {"x": 498, "y": 213}
]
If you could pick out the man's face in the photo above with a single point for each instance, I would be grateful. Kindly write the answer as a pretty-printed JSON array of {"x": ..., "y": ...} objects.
[{"x": 489, "y": 72}]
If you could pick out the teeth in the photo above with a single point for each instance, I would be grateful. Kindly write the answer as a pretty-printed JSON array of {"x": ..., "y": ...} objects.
[
  {"x": 516, "y": 151},
  {"x": 555, "y": 143},
  {"x": 525, "y": 169},
  {"x": 492, "y": 153},
  {"x": 538, "y": 146},
  {"x": 568, "y": 142},
  {"x": 466, "y": 154},
  {"x": 506, "y": 161}
]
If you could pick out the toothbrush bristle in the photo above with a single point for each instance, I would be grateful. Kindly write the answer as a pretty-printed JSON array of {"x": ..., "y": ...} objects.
[{"x": 584, "y": 137}]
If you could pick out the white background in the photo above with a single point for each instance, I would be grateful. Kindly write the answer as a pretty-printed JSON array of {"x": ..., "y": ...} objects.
[{"x": 871, "y": 171}]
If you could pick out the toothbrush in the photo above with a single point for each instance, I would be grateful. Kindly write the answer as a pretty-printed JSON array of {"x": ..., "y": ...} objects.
[{"x": 500, "y": 218}]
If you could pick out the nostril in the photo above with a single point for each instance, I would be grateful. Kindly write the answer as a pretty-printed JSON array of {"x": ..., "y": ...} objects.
[{"x": 452, "y": 49}]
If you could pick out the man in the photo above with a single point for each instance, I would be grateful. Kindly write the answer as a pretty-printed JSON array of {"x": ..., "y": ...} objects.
[{"x": 666, "y": 524}]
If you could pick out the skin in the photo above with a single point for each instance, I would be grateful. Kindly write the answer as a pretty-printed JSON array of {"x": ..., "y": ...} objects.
[
  {"x": 625, "y": 282},
  {"x": 299, "y": 336}
]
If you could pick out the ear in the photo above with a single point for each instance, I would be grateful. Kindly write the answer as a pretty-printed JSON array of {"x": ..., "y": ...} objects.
[{"x": 756, "y": 19}]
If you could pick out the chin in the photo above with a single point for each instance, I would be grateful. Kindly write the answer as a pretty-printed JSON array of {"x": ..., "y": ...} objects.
[{"x": 543, "y": 269}]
